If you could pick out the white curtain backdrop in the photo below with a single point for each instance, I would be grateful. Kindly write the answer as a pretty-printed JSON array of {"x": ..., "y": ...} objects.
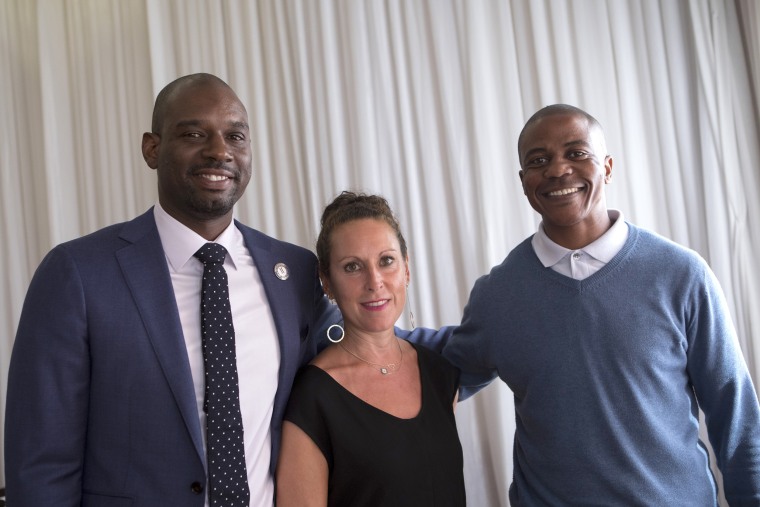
[{"x": 419, "y": 100}]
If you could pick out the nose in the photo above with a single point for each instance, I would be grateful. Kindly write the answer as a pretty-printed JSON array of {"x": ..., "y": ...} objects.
[
  {"x": 374, "y": 279},
  {"x": 557, "y": 168},
  {"x": 216, "y": 148}
]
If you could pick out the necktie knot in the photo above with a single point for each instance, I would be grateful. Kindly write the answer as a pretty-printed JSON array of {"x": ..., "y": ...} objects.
[{"x": 212, "y": 253}]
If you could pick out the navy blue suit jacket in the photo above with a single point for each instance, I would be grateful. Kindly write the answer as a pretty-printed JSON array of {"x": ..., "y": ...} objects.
[{"x": 101, "y": 408}]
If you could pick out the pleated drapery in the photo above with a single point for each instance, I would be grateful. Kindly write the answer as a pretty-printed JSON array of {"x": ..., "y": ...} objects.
[{"x": 419, "y": 100}]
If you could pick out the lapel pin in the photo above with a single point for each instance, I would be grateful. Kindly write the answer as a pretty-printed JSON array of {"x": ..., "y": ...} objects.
[{"x": 281, "y": 271}]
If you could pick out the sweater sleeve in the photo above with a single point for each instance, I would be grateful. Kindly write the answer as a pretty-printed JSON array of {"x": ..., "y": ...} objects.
[
  {"x": 724, "y": 391},
  {"x": 467, "y": 349}
]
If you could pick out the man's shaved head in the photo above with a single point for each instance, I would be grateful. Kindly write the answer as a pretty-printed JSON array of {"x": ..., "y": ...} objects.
[{"x": 165, "y": 95}]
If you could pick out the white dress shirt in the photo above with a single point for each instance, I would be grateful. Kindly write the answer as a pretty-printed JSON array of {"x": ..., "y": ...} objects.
[
  {"x": 256, "y": 344},
  {"x": 582, "y": 263}
]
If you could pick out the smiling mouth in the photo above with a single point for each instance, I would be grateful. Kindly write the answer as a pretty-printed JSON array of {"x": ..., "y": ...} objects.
[
  {"x": 563, "y": 191},
  {"x": 214, "y": 177},
  {"x": 374, "y": 304}
]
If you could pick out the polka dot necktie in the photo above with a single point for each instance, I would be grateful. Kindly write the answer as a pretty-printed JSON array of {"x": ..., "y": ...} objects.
[{"x": 227, "y": 476}]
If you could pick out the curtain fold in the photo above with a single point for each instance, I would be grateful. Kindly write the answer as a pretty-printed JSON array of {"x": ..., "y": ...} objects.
[{"x": 419, "y": 100}]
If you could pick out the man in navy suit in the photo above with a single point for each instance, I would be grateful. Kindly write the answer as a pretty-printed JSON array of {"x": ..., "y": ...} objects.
[{"x": 106, "y": 386}]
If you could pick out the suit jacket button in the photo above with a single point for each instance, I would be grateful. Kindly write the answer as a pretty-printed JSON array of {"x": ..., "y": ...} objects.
[{"x": 196, "y": 488}]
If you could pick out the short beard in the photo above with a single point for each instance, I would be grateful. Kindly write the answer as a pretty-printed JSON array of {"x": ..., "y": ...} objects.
[
  {"x": 212, "y": 208},
  {"x": 217, "y": 207}
]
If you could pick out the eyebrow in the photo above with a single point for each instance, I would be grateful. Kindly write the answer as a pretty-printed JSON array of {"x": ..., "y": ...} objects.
[
  {"x": 240, "y": 125},
  {"x": 568, "y": 144},
  {"x": 383, "y": 252},
  {"x": 577, "y": 141},
  {"x": 194, "y": 123}
]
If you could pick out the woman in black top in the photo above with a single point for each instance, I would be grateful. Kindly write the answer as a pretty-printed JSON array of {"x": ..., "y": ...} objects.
[{"x": 370, "y": 421}]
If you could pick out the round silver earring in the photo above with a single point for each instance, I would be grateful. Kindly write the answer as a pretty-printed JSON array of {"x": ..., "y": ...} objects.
[{"x": 342, "y": 333}]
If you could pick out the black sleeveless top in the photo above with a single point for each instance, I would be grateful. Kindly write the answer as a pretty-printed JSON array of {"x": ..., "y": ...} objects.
[{"x": 377, "y": 459}]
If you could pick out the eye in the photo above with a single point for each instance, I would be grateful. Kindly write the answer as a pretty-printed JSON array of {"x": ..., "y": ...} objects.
[
  {"x": 387, "y": 260},
  {"x": 577, "y": 154},
  {"x": 536, "y": 161},
  {"x": 192, "y": 135},
  {"x": 237, "y": 137},
  {"x": 351, "y": 267}
]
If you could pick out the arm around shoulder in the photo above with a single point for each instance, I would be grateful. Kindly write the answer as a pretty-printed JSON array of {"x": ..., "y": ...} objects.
[
  {"x": 433, "y": 339},
  {"x": 468, "y": 345}
]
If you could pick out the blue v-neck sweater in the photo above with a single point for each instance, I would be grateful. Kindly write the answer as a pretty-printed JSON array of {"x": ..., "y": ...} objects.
[{"x": 608, "y": 374}]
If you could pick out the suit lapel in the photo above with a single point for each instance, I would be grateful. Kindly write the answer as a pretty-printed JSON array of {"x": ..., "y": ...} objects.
[
  {"x": 280, "y": 294},
  {"x": 144, "y": 266}
]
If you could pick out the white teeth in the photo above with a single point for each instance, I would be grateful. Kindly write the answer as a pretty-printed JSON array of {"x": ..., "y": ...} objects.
[
  {"x": 376, "y": 303},
  {"x": 214, "y": 177},
  {"x": 564, "y": 191}
]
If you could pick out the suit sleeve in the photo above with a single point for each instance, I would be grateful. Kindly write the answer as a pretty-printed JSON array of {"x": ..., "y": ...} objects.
[{"x": 48, "y": 388}]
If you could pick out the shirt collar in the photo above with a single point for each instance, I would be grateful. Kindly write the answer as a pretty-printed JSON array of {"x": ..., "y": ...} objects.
[
  {"x": 603, "y": 249},
  {"x": 180, "y": 242}
]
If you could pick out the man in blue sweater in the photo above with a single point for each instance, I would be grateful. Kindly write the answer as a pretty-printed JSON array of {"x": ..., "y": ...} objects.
[{"x": 611, "y": 339}]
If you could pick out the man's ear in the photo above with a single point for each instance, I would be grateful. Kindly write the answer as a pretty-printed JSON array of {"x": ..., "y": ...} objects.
[
  {"x": 150, "y": 144},
  {"x": 607, "y": 168}
]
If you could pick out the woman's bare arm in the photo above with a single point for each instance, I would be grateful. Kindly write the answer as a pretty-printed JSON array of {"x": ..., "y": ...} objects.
[{"x": 301, "y": 470}]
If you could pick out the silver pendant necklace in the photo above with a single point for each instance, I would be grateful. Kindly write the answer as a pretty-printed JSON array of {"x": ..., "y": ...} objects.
[{"x": 385, "y": 369}]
